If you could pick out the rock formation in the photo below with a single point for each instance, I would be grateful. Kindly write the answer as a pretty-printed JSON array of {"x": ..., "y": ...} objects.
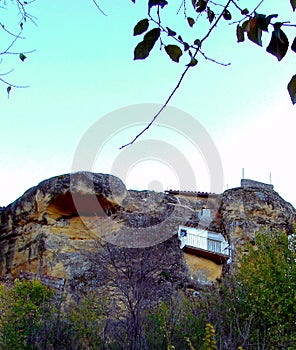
[
  {"x": 253, "y": 207},
  {"x": 56, "y": 228}
]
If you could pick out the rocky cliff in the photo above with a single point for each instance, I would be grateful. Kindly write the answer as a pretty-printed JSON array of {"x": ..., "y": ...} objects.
[
  {"x": 248, "y": 209},
  {"x": 58, "y": 227}
]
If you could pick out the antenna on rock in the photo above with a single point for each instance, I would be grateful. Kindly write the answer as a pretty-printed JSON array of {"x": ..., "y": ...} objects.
[
  {"x": 243, "y": 173},
  {"x": 270, "y": 178}
]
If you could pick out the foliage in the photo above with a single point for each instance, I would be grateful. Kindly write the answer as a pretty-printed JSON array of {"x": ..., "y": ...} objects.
[
  {"x": 210, "y": 342},
  {"x": 176, "y": 323},
  {"x": 87, "y": 319},
  {"x": 254, "y": 307},
  {"x": 24, "y": 309},
  {"x": 248, "y": 23},
  {"x": 268, "y": 288},
  {"x": 251, "y": 308}
]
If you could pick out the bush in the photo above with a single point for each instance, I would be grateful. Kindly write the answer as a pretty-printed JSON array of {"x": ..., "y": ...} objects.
[{"x": 24, "y": 308}]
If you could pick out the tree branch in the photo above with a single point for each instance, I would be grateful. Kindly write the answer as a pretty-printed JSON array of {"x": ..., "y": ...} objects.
[
  {"x": 213, "y": 60},
  {"x": 98, "y": 7},
  {"x": 179, "y": 81},
  {"x": 160, "y": 111}
]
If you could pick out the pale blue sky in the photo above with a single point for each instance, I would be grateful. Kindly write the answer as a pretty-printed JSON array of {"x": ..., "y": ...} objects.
[{"x": 83, "y": 68}]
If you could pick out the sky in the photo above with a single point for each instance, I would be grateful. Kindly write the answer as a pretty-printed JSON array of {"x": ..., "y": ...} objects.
[{"x": 84, "y": 86}]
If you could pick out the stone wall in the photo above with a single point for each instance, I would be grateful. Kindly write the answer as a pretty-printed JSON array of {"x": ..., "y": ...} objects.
[{"x": 245, "y": 183}]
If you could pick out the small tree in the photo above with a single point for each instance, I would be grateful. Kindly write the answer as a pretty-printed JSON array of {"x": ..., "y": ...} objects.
[
  {"x": 267, "y": 286},
  {"x": 24, "y": 309},
  {"x": 254, "y": 307},
  {"x": 176, "y": 323},
  {"x": 88, "y": 320}
]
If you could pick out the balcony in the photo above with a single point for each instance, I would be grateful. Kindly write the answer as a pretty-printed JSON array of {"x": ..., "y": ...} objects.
[{"x": 202, "y": 245}]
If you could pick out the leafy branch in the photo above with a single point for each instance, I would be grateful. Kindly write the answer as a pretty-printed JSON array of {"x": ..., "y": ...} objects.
[
  {"x": 252, "y": 24},
  {"x": 12, "y": 36}
]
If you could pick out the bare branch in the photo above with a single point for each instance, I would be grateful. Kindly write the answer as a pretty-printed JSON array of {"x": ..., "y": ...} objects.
[
  {"x": 13, "y": 85},
  {"x": 98, "y": 7},
  {"x": 10, "y": 33},
  {"x": 213, "y": 60},
  {"x": 160, "y": 111},
  {"x": 16, "y": 53}
]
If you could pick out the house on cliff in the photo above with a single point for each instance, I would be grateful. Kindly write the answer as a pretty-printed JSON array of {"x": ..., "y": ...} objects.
[
  {"x": 204, "y": 247},
  {"x": 208, "y": 241}
]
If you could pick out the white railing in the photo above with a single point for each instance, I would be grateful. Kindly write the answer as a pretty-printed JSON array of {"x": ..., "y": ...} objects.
[{"x": 205, "y": 243}]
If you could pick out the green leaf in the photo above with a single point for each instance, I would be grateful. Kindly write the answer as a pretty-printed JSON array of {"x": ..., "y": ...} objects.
[
  {"x": 278, "y": 45},
  {"x": 292, "y": 89},
  {"x": 293, "y": 4},
  {"x": 141, "y": 26},
  {"x": 170, "y": 32},
  {"x": 161, "y": 3},
  {"x": 263, "y": 21},
  {"x": 152, "y": 35},
  {"x": 240, "y": 34},
  {"x": 8, "y": 91},
  {"x": 197, "y": 42},
  {"x": 254, "y": 32},
  {"x": 293, "y": 46},
  {"x": 245, "y": 25},
  {"x": 211, "y": 15},
  {"x": 186, "y": 46},
  {"x": 200, "y": 5},
  {"x": 192, "y": 63},
  {"x": 143, "y": 49},
  {"x": 244, "y": 12},
  {"x": 190, "y": 21},
  {"x": 277, "y": 30},
  {"x": 22, "y": 57},
  {"x": 227, "y": 15},
  {"x": 174, "y": 52}
]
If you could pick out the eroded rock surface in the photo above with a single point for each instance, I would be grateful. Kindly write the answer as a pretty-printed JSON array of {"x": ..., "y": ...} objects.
[
  {"x": 58, "y": 227},
  {"x": 247, "y": 210},
  {"x": 55, "y": 227}
]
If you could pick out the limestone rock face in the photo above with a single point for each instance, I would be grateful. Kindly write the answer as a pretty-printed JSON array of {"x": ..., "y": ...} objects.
[
  {"x": 248, "y": 209},
  {"x": 43, "y": 231},
  {"x": 56, "y": 228}
]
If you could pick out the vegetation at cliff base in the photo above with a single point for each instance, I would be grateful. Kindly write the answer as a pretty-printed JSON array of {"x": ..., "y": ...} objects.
[{"x": 251, "y": 307}]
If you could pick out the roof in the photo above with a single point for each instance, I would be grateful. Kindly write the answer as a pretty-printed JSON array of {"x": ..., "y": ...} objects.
[{"x": 191, "y": 193}]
